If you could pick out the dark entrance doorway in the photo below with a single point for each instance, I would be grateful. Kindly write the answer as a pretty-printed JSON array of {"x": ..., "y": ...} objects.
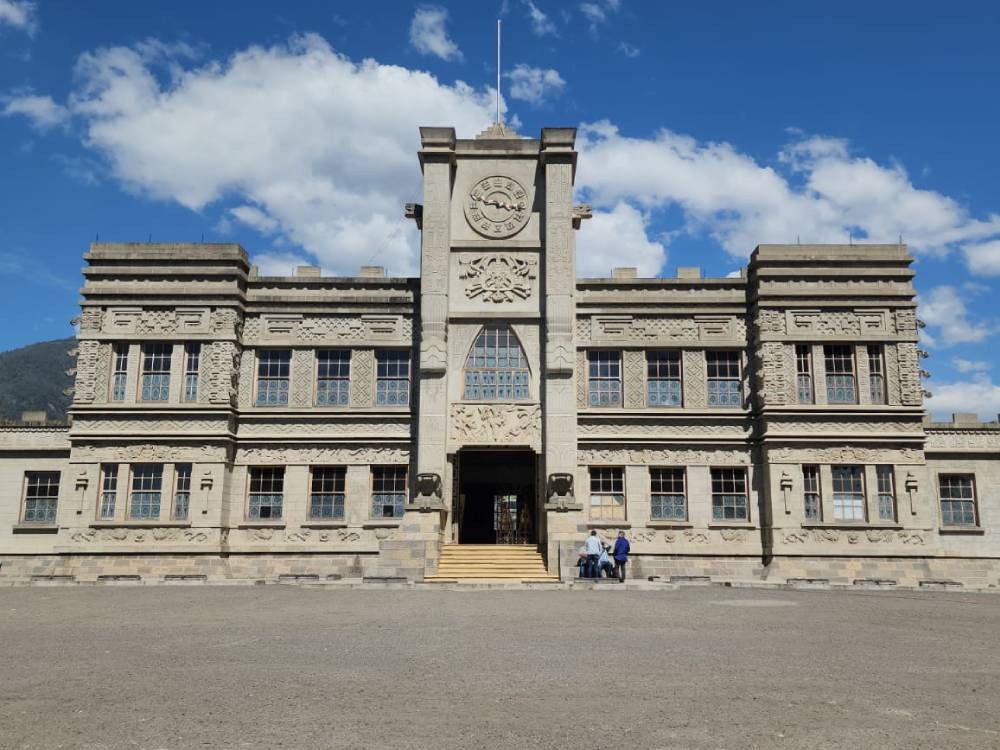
[{"x": 496, "y": 497}]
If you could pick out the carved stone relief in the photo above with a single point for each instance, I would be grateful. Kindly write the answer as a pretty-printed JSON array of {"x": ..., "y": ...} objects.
[
  {"x": 772, "y": 373},
  {"x": 394, "y": 429},
  {"x": 892, "y": 375},
  {"x": 962, "y": 440},
  {"x": 846, "y": 455},
  {"x": 245, "y": 386},
  {"x": 156, "y": 321},
  {"x": 319, "y": 454},
  {"x": 581, "y": 379},
  {"x": 695, "y": 395},
  {"x": 494, "y": 424},
  {"x": 906, "y": 321},
  {"x": 149, "y": 425},
  {"x": 87, "y": 368},
  {"x": 661, "y": 457},
  {"x": 159, "y": 453},
  {"x": 873, "y": 427},
  {"x": 911, "y": 389},
  {"x": 303, "y": 371},
  {"x": 634, "y": 372},
  {"x": 873, "y": 536},
  {"x": 362, "y": 377},
  {"x": 220, "y": 373},
  {"x": 140, "y": 536},
  {"x": 304, "y": 329},
  {"x": 498, "y": 278},
  {"x": 837, "y": 323},
  {"x": 619, "y": 428},
  {"x": 660, "y": 331},
  {"x": 91, "y": 319}
]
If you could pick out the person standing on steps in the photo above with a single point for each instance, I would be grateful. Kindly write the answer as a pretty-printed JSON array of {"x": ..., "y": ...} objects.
[
  {"x": 593, "y": 554},
  {"x": 621, "y": 555}
]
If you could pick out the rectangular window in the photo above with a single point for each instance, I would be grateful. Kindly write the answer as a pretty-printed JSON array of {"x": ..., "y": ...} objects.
[
  {"x": 392, "y": 377},
  {"x": 41, "y": 496},
  {"x": 326, "y": 500},
  {"x": 273, "y": 369},
  {"x": 147, "y": 485},
  {"x": 810, "y": 493},
  {"x": 723, "y": 370},
  {"x": 267, "y": 492},
  {"x": 886, "y": 493},
  {"x": 182, "y": 491},
  {"x": 156, "y": 371},
  {"x": 667, "y": 499},
  {"x": 840, "y": 386},
  {"x": 876, "y": 373},
  {"x": 729, "y": 495},
  {"x": 109, "y": 490},
  {"x": 848, "y": 493},
  {"x": 333, "y": 384},
  {"x": 120, "y": 376},
  {"x": 388, "y": 491},
  {"x": 607, "y": 493},
  {"x": 192, "y": 365},
  {"x": 958, "y": 499},
  {"x": 803, "y": 373},
  {"x": 663, "y": 378},
  {"x": 604, "y": 381}
]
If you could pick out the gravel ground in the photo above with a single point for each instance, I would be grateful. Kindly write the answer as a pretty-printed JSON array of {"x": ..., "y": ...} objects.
[{"x": 283, "y": 666}]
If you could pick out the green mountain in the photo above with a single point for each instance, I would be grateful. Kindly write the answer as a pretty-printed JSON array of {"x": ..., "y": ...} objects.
[{"x": 34, "y": 377}]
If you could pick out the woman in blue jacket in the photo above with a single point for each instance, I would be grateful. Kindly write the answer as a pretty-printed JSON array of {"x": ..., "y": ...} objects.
[{"x": 621, "y": 555}]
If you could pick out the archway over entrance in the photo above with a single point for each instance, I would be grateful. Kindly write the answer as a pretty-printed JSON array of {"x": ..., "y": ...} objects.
[{"x": 496, "y": 497}]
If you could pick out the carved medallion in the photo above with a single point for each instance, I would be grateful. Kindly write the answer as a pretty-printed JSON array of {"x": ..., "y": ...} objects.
[
  {"x": 498, "y": 278},
  {"x": 497, "y": 207}
]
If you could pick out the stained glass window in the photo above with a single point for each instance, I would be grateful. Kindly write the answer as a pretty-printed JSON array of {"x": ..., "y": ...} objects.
[
  {"x": 496, "y": 368},
  {"x": 876, "y": 373},
  {"x": 729, "y": 495},
  {"x": 392, "y": 378},
  {"x": 326, "y": 500},
  {"x": 120, "y": 376},
  {"x": 147, "y": 484},
  {"x": 811, "y": 494},
  {"x": 803, "y": 373},
  {"x": 388, "y": 491},
  {"x": 273, "y": 368},
  {"x": 267, "y": 492},
  {"x": 192, "y": 363},
  {"x": 886, "y": 493},
  {"x": 848, "y": 493},
  {"x": 840, "y": 386},
  {"x": 604, "y": 381}
]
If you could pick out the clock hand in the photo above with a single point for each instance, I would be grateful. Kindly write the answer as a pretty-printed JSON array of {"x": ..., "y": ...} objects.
[{"x": 498, "y": 204}]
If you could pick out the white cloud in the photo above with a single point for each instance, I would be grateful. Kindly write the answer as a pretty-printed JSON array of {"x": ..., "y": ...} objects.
[
  {"x": 617, "y": 238},
  {"x": 534, "y": 85},
  {"x": 19, "y": 14},
  {"x": 42, "y": 111},
  {"x": 278, "y": 264},
  {"x": 541, "y": 24},
  {"x": 429, "y": 36},
  {"x": 983, "y": 258},
  {"x": 967, "y": 366},
  {"x": 597, "y": 11},
  {"x": 817, "y": 192},
  {"x": 628, "y": 50},
  {"x": 980, "y": 396},
  {"x": 944, "y": 308},
  {"x": 320, "y": 147}
]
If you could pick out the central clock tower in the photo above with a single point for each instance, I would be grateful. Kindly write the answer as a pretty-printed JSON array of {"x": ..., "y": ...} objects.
[{"x": 497, "y": 249}]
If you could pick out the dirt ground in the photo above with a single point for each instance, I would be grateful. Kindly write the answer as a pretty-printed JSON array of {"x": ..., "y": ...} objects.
[{"x": 702, "y": 667}]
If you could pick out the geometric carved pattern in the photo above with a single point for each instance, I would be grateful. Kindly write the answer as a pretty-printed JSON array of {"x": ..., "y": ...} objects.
[
  {"x": 294, "y": 328},
  {"x": 892, "y": 375},
  {"x": 648, "y": 330},
  {"x": 772, "y": 377},
  {"x": 911, "y": 390},
  {"x": 248, "y": 362},
  {"x": 362, "y": 377},
  {"x": 219, "y": 373},
  {"x": 837, "y": 323},
  {"x": 581, "y": 379},
  {"x": 635, "y": 378},
  {"x": 695, "y": 396},
  {"x": 303, "y": 361},
  {"x": 87, "y": 366}
]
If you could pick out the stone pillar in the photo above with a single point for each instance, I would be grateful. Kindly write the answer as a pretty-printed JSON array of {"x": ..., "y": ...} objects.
[{"x": 564, "y": 518}]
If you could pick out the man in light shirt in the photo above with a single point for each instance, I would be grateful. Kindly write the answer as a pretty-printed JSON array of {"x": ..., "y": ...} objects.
[{"x": 594, "y": 548}]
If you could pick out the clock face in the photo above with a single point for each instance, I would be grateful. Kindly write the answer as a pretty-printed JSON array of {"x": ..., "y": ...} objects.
[{"x": 497, "y": 207}]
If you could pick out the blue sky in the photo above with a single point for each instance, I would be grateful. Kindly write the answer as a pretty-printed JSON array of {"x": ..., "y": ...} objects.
[{"x": 704, "y": 130}]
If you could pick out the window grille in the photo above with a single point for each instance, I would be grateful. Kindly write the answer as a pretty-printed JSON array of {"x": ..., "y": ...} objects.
[
  {"x": 273, "y": 369},
  {"x": 192, "y": 365},
  {"x": 156, "y": 371},
  {"x": 41, "y": 496},
  {"x": 607, "y": 493},
  {"x": 803, "y": 373},
  {"x": 333, "y": 384},
  {"x": 876, "y": 373},
  {"x": 388, "y": 491},
  {"x": 604, "y": 382},
  {"x": 392, "y": 384},
  {"x": 957, "y": 493},
  {"x": 723, "y": 370},
  {"x": 729, "y": 495},
  {"x": 811, "y": 493},
  {"x": 267, "y": 492},
  {"x": 668, "y": 501},
  {"x": 496, "y": 368},
  {"x": 848, "y": 493},
  {"x": 663, "y": 378},
  {"x": 109, "y": 490},
  {"x": 840, "y": 385},
  {"x": 326, "y": 499},
  {"x": 182, "y": 491},
  {"x": 147, "y": 485}
]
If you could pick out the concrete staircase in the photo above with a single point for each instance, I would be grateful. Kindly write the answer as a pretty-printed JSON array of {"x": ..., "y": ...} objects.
[{"x": 491, "y": 562}]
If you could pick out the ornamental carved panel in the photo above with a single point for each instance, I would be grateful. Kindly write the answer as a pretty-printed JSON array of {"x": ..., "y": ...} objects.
[
  {"x": 846, "y": 455},
  {"x": 292, "y": 328},
  {"x": 88, "y": 369},
  {"x": 319, "y": 454},
  {"x": 156, "y": 321},
  {"x": 911, "y": 389},
  {"x": 660, "y": 457},
  {"x": 634, "y": 378},
  {"x": 498, "y": 278},
  {"x": 661, "y": 330},
  {"x": 495, "y": 424},
  {"x": 362, "y": 377},
  {"x": 838, "y": 323}
]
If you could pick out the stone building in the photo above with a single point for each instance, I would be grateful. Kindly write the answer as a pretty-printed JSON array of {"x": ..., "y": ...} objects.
[{"x": 229, "y": 425}]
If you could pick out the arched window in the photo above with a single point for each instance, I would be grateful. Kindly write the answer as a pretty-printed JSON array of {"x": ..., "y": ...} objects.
[{"x": 496, "y": 369}]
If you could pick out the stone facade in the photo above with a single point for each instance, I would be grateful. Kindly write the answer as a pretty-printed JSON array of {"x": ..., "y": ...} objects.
[{"x": 767, "y": 427}]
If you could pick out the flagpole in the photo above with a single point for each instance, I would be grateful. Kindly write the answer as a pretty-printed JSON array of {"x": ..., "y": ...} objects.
[{"x": 498, "y": 72}]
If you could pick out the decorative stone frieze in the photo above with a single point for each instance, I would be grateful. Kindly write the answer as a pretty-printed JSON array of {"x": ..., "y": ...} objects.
[
  {"x": 624, "y": 429},
  {"x": 837, "y": 323},
  {"x": 124, "y": 321},
  {"x": 151, "y": 425},
  {"x": 296, "y": 329},
  {"x": 852, "y": 537},
  {"x": 389, "y": 428},
  {"x": 91, "y": 319},
  {"x": 870, "y": 428},
  {"x": 495, "y": 424},
  {"x": 660, "y": 330},
  {"x": 290, "y": 455},
  {"x": 151, "y": 452},
  {"x": 911, "y": 389},
  {"x": 634, "y": 378},
  {"x": 150, "y": 536},
  {"x": 962, "y": 440},
  {"x": 662, "y": 457},
  {"x": 498, "y": 278},
  {"x": 846, "y": 455},
  {"x": 88, "y": 367}
]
